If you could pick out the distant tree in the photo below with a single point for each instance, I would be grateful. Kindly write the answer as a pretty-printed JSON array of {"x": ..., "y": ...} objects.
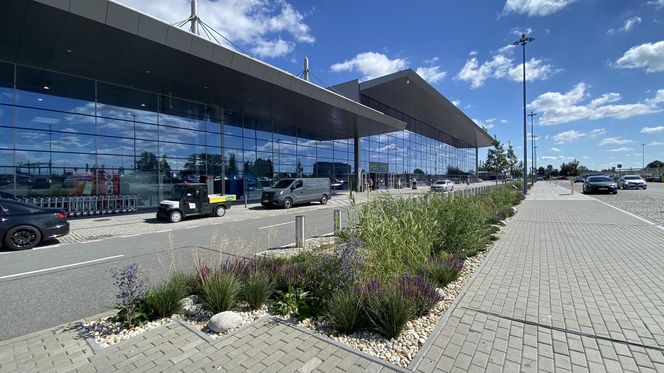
[
  {"x": 417, "y": 171},
  {"x": 512, "y": 160},
  {"x": 231, "y": 169},
  {"x": 655, "y": 164},
  {"x": 496, "y": 160},
  {"x": 147, "y": 162},
  {"x": 541, "y": 171},
  {"x": 451, "y": 170},
  {"x": 573, "y": 168},
  {"x": 164, "y": 166},
  {"x": 518, "y": 170}
]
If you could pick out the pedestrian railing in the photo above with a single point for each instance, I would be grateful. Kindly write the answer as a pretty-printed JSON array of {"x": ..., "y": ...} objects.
[{"x": 87, "y": 205}]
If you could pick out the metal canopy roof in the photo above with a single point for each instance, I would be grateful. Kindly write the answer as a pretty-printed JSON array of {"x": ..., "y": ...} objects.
[
  {"x": 408, "y": 93},
  {"x": 103, "y": 40}
]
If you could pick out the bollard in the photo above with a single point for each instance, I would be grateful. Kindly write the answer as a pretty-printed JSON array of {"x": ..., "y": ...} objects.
[
  {"x": 245, "y": 200},
  {"x": 299, "y": 231},
  {"x": 337, "y": 221},
  {"x": 571, "y": 185}
]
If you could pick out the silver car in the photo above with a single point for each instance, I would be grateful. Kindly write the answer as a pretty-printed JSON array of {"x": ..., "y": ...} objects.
[
  {"x": 442, "y": 186},
  {"x": 632, "y": 182}
]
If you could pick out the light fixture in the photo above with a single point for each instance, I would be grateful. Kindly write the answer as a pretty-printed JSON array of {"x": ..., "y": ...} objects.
[
  {"x": 148, "y": 71},
  {"x": 68, "y": 51},
  {"x": 407, "y": 81},
  {"x": 142, "y": 105},
  {"x": 47, "y": 87},
  {"x": 40, "y": 99}
]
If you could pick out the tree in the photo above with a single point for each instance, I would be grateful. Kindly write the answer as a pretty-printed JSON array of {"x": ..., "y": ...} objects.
[
  {"x": 147, "y": 162},
  {"x": 512, "y": 160},
  {"x": 655, "y": 164},
  {"x": 164, "y": 166},
  {"x": 451, "y": 170},
  {"x": 541, "y": 171},
  {"x": 496, "y": 160},
  {"x": 573, "y": 168},
  {"x": 518, "y": 170}
]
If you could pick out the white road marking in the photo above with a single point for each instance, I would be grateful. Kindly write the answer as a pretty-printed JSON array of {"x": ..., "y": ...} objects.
[
  {"x": 60, "y": 267},
  {"x": 276, "y": 225},
  {"x": 628, "y": 213}
]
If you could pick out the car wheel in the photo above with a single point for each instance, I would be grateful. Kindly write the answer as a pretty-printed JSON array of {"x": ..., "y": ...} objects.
[
  {"x": 323, "y": 200},
  {"x": 22, "y": 237},
  {"x": 220, "y": 211},
  {"x": 288, "y": 203},
  {"x": 175, "y": 216}
]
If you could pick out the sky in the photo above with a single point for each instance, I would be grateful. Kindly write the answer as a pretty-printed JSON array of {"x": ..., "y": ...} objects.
[{"x": 594, "y": 73}]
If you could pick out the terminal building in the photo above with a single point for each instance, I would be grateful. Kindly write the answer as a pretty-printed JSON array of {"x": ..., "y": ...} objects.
[{"x": 97, "y": 98}]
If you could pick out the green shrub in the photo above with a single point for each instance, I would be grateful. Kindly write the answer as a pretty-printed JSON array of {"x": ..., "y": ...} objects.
[
  {"x": 293, "y": 302},
  {"x": 257, "y": 289},
  {"x": 164, "y": 300},
  {"x": 461, "y": 226},
  {"x": 443, "y": 270},
  {"x": 387, "y": 309},
  {"x": 220, "y": 291},
  {"x": 344, "y": 311}
]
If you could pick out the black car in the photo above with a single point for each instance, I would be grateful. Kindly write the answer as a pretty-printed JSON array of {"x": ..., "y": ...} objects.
[
  {"x": 594, "y": 184},
  {"x": 24, "y": 226}
]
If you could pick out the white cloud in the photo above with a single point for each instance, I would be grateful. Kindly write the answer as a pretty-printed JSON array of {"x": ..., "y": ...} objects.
[
  {"x": 629, "y": 24},
  {"x": 456, "y": 102},
  {"x": 488, "y": 124},
  {"x": 649, "y": 56},
  {"x": 535, "y": 7},
  {"x": 657, "y": 3},
  {"x": 556, "y": 150},
  {"x": 431, "y": 74},
  {"x": 656, "y": 143},
  {"x": 554, "y": 157},
  {"x": 557, "y": 108},
  {"x": 371, "y": 65},
  {"x": 597, "y": 132},
  {"x": 259, "y": 25},
  {"x": 272, "y": 48},
  {"x": 615, "y": 141},
  {"x": 535, "y": 70},
  {"x": 621, "y": 149},
  {"x": 658, "y": 129},
  {"x": 503, "y": 66},
  {"x": 503, "y": 121},
  {"x": 568, "y": 136}
]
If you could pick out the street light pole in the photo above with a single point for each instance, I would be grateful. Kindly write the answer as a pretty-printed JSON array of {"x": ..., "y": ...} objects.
[
  {"x": 523, "y": 41},
  {"x": 643, "y": 159},
  {"x": 532, "y": 152}
]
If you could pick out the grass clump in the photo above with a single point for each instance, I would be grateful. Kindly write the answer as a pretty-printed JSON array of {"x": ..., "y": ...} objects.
[
  {"x": 344, "y": 311},
  {"x": 220, "y": 291},
  {"x": 387, "y": 309},
  {"x": 257, "y": 289},
  {"x": 164, "y": 299},
  {"x": 443, "y": 271}
]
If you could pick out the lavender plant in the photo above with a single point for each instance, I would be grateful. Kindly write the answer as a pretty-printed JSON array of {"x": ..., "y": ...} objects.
[
  {"x": 420, "y": 292},
  {"x": 131, "y": 290},
  {"x": 443, "y": 270}
]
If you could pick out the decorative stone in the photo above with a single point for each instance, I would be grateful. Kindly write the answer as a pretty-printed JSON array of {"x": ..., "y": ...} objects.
[
  {"x": 224, "y": 321},
  {"x": 440, "y": 292},
  {"x": 512, "y": 210},
  {"x": 502, "y": 223}
]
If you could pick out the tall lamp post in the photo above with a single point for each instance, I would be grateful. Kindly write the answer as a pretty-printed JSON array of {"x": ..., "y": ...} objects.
[
  {"x": 643, "y": 159},
  {"x": 532, "y": 152},
  {"x": 523, "y": 41}
]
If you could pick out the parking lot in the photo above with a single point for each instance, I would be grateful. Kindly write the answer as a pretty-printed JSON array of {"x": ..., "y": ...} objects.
[{"x": 648, "y": 203}]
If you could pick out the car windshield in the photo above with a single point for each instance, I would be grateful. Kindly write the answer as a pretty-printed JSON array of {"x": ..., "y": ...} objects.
[
  {"x": 439, "y": 182},
  {"x": 177, "y": 192},
  {"x": 599, "y": 179},
  {"x": 283, "y": 183},
  {"x": 632, "y": 178}
]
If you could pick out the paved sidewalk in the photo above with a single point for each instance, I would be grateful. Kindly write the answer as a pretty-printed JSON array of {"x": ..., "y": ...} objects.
[{"x": 572, "y": 285}]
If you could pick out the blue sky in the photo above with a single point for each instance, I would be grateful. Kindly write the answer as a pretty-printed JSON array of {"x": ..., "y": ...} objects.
[{"x": 595, "y": 70}]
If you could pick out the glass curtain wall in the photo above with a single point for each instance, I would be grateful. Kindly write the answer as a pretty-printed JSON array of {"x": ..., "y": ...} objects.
[
  {"x": 397, "y": 158},
  {"x": 62, "y": 135}
]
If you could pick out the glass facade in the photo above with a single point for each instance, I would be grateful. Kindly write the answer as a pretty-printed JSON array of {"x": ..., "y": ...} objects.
[{"x": 65, "y": 135}]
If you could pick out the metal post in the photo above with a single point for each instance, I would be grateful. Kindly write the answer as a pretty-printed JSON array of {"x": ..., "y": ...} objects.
[
  {"x": 299, "y": 231},
  {"x": 337, "y": 221},
  {"x": 523, "y": 41},
  {"x": 532, "y": 145}
]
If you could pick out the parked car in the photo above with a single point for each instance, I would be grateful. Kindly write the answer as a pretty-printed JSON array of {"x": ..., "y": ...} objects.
[
  {"x": 655, "y": 179},
  {"x": 632, "y": 181},
  {"x": 578, "y": 179},
  {"x": 289, "y": 192},
  {"x": 24, "y": 226},
  {"x": 599, "y": 184},
  {"x": 442, "y": 186}
]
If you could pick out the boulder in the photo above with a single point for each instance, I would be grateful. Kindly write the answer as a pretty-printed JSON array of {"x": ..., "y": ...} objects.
[
  {"x": 502, "y": 223},
  {"x": 512, "y": 211},
  {"x": 224, "y": 321}
]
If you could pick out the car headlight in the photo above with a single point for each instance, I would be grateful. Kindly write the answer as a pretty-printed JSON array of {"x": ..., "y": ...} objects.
[{"x": 281, "y": 192}]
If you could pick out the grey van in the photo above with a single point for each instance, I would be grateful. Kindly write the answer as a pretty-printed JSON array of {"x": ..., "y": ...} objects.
[{"x": 288, "y": 192}]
